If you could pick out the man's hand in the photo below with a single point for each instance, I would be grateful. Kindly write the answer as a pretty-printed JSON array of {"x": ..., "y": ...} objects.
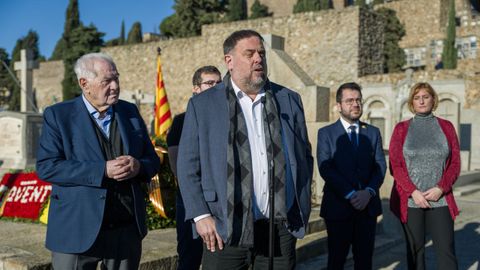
[
  {"x": 122, "y": 168},
  {"x": 420, "y": 199},
  {"x": 207, "y": 230},
  {"x": 433, "y": 194},
  {"x": 360, "y": 199}
]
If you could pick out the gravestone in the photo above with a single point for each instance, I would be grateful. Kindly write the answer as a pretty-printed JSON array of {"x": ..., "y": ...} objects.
[
  {"x": 18, "y": 139},
  {"x": 20, "y": 131}
]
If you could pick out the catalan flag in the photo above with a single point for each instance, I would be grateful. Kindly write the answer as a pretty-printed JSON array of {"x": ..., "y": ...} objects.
[{"x": 163, "y": 116}]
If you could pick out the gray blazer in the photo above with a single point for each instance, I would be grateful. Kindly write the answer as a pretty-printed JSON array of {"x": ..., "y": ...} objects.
[{"x": 202, "y": 156}]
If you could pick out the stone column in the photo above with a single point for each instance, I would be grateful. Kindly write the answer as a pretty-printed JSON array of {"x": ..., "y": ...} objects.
[{"x": 26, "y": 66}]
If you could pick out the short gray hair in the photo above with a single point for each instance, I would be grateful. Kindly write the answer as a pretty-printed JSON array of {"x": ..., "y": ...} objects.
[{"x": 84, "y": 66}]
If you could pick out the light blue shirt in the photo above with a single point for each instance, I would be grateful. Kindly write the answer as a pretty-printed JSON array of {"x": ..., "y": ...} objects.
[{"x": 102, "y": 122}]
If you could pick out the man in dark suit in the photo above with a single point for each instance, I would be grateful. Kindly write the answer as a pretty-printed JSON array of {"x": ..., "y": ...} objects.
[
  {"x": 189, "y": 249},
  {"x": 232, "y": 133},
  {"x": 352, "y": 163},
  {"x": 95, "y": 151}
]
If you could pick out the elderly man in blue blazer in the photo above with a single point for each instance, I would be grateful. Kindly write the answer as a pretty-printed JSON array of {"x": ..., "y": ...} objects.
[
  {"x": 232, "y": 135},
  {"x": 351, "y": 161},
  {"x": 96, "y": 152}
]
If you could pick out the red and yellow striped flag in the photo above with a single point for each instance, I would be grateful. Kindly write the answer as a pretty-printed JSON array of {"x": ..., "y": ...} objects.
[{"x": 163, "y": 117}]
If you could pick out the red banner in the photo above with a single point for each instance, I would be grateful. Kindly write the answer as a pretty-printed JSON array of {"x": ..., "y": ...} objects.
[{"x": 22, "y": 195}]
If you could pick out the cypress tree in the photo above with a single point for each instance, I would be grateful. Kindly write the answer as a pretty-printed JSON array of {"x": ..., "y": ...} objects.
[
  {"x": 236, "y": 10},
  {"x": 121, "y": 40},
  {"x": 449, "y": 54},
  {"x": 72, "y": 21},
  {"x": 135, "y": 34},
  {"x": 258, "y": 10}
]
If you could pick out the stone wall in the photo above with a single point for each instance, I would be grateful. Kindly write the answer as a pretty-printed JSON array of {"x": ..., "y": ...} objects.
[
  {"x": 47, "y": 83},
  {"x": 314, "y": 40},
  {"x": 324, "y": 44}
]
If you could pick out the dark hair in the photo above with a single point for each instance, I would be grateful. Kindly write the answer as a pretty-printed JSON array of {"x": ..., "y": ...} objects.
[
  {"x": 350, "y": 85},
  {"x": 236, "y": 36},
  {"x": 197, "y": 76}
]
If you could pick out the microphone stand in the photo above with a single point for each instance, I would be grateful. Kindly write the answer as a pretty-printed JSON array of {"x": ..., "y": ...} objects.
[{"x": 271, "y": 197}]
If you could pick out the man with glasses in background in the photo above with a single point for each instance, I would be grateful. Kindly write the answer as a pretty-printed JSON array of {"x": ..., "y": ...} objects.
[
  {"x": 352, "y": 164},
  {"x": 189, "y": 249}
]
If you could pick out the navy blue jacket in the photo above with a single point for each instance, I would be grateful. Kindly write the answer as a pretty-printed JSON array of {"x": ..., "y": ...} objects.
[{"x": 70, "y": 157}]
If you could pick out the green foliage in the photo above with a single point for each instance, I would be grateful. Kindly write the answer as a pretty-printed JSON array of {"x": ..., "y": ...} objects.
[
  {"x": 190, "y": 15},
  {"x": 169, "y": 25},
  {"x": 449, "y": 54},
  {"x": 360, "y": 3},
  {"x": 30, "y": 41},
  {"x": 121, "y": 39},
  {"x": 236, "y": 10},
  {"x": 258, "y": 10},
  {"x": 311, "y": 5},
  {"x": 72, "y": 21},
  {"x": 377, "y": 2},
  {"x": 84, "y": 39},
  {"x": 6, "y": 81},
  {"x": 393, "y": 55},
  {"x": 135, "y": 34}
]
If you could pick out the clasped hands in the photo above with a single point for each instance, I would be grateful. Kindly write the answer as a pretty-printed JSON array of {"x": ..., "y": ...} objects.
[
  {"x": 421, "y": 198},
  {"x": 360, "y": 199},
  {"x": 122, "y": 168}
]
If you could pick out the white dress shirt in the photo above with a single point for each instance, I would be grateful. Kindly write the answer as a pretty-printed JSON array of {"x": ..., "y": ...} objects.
[
  {"x": 253, "y": 114},
  {"x": 346, "y": 125}
]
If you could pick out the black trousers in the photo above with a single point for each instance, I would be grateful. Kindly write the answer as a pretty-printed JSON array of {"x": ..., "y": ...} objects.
[
  {"x": 439, "y": 224},
  {"x": 358, "y": 231},
  {"x": 189, "y": 249},
  {"x": 240, "y": 258},
  {"x": 115, "y": 249}
]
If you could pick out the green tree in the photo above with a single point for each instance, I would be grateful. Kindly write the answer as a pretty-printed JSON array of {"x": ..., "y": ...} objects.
[
  {"x": 236, "y": 10},
  {"x": 360, "y": 3},
  {"x": 169, "y": 26},
  {"x": 7, "y": 83},
  {"x": 72, "y": 21},
  {"x": 258, "y": 10},
  {"x": 135, "y": 34},
  {"x": 30, "y": 41},
  {"x": 117, "y": 41},
  {"x": 190, "y": 15},
  {"x": 83, "y": 40},
  {"x": 377, "y": 2},
  {"x": 449, "y": 53},
  {"x": 311, "y": 5},
  {"x": 393, "y": 55},
  {"x": 121, "y": 40}
]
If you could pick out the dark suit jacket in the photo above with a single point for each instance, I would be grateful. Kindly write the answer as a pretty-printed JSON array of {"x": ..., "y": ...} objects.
[
  {"x": 70, "y": 158},
  {"x": 202, "y": 157},
  {"x": 345, "y": 169}
]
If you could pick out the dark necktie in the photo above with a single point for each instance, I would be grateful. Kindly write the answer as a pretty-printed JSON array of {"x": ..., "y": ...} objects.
[{"x": 353, "y": 135}]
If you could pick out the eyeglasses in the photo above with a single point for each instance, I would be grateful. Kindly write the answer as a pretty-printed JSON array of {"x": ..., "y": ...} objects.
[
  {"x": 350, "y": 101},
  {"x": 211, "y": 83}
]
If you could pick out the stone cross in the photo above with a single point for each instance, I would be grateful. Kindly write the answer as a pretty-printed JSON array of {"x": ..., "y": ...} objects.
[
  {"x": 26, "y": 66},
  {"x": 138, "y": 97}
]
